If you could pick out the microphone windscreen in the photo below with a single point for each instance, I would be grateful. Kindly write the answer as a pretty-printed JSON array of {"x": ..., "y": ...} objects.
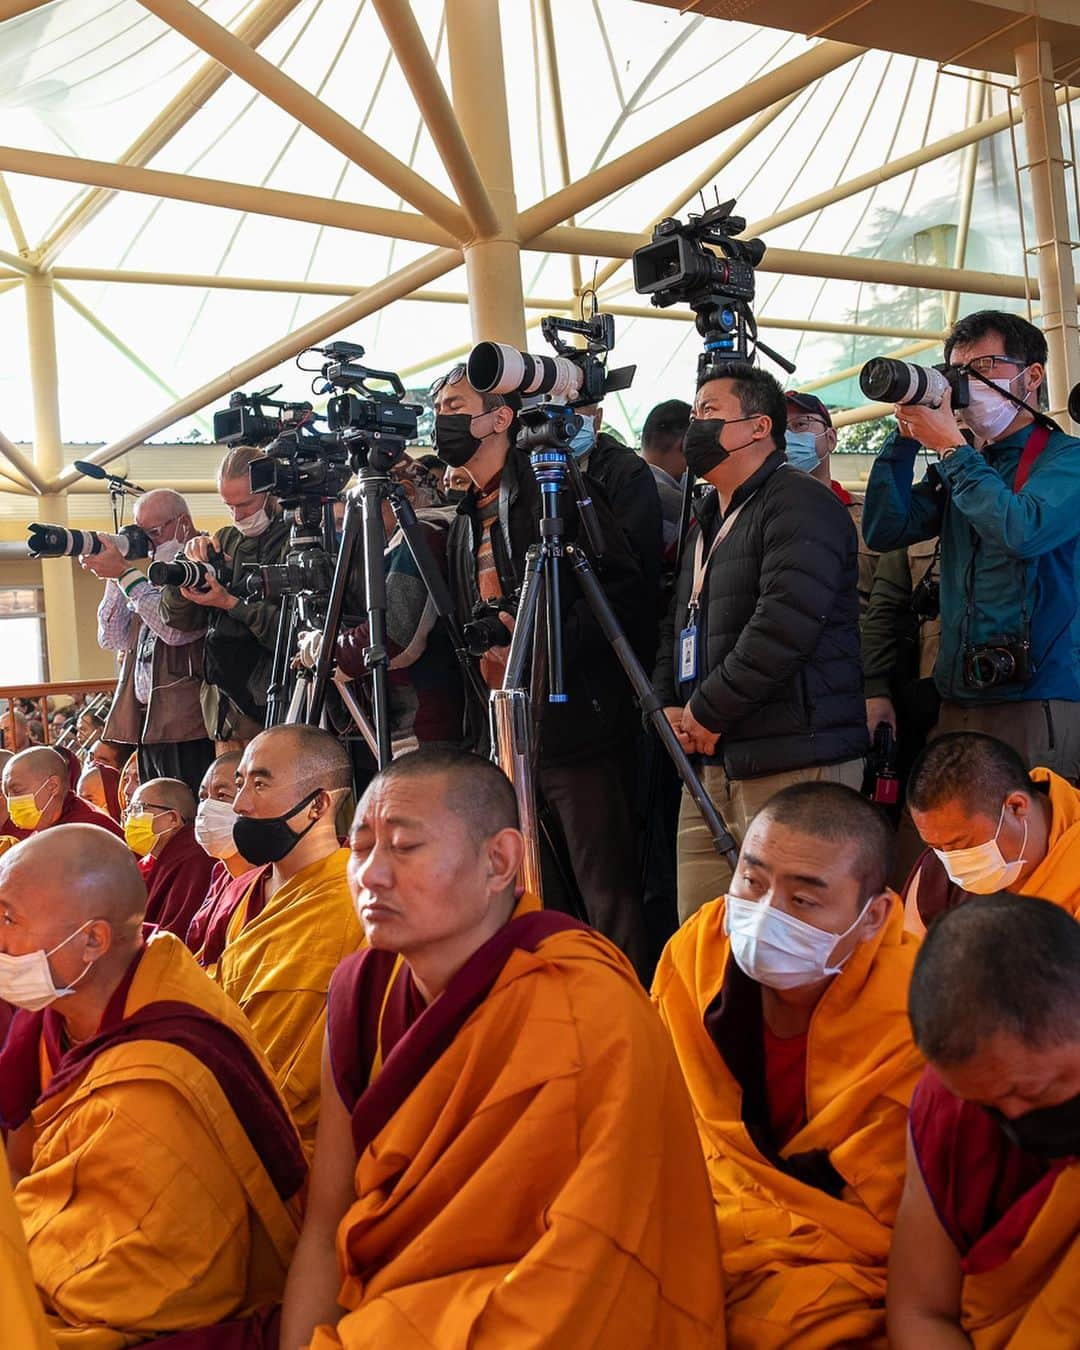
[{"x": 85, "y": 467}]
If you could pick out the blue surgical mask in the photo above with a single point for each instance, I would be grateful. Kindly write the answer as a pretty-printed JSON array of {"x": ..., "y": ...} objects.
[
  {"x": 802, "y": 450},
  {"x": 585, "y": 439}
]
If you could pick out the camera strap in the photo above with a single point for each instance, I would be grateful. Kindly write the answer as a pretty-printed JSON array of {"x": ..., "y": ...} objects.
[
  {"x": 702, "y": 559},
  {"x": 1036, "y": 444}
]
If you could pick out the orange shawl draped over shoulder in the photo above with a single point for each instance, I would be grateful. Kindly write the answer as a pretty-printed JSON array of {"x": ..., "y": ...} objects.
[
  {"x": 540, "y": 1185},
  {"x": 804, "y": 1229},
  {"x": 20, "y": 1307}
]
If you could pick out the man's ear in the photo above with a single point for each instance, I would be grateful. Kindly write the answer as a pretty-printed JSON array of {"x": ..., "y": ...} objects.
[
  {"x": 502, "y": 418},
  {"x": 505, "y": 850},
  {"x": 877, "y": 912},
  {"x": 830, "y": 439}
]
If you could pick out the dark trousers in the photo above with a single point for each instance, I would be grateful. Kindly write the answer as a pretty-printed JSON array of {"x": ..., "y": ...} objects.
[
  {"x": 186, "y": 760},
  {"x": 593, "y": 803},
  {"x": 1045, "y": 733}
]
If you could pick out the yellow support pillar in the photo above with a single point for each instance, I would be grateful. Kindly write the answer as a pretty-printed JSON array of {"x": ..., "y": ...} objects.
[
  {"x": 56, "y": 573},
  {"x": 1053, "y": 246},
  {"x": 478, "y": 85}
]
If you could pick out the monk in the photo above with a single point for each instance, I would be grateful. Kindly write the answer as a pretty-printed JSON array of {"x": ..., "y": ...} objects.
[
  {"x": 39, "y": 795},
  {"x": 99, "y": 785},
  {"x": 214, "y": 821},
  {"x": 986, "y": 1251},
  {"x": 157, "y": 1171},
  {"x": 990, "y": 825},
  {"x": 159, "y": 829},
  {"x": 786, "y": 1001},
  {"x": 24, "y": 1321},
  {"x": 278, "y": 931},
  {"x": 506, "y": 1103}
]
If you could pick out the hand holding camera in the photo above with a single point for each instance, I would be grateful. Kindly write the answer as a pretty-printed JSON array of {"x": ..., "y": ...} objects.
[
  {"x": 107, "y": 562},
  {"x": 936, "y": 428}
]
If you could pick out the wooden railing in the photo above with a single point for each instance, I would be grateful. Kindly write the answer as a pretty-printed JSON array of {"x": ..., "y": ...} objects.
[{"x": 40, "y": 694}]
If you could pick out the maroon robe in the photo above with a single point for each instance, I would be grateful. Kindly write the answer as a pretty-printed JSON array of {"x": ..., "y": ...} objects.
[
  {"x": 220, "y": 879},
  {"x": 177, "y": 881},
  {"x": 110, "y": 782},
  {"x": 214, "y": 923},
  {"x": 986, "y": 1190},
  {"x": 413, "y": 1034},
  {"x": 76, "y": 811}
]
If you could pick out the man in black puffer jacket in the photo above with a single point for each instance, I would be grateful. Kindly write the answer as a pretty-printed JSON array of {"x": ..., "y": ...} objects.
[{"x": 758, "y": 665}]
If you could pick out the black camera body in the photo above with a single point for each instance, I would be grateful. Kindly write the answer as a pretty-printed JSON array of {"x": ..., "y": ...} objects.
[
  {"x": 677, "y": 267},
  {"x": 1000, "y": 660},
  {"x": 301, "y": 463},
  {"x": 246, "y": 420},
  {"x": 926, "y": 600},
  {"x": 486, "y": 628}
]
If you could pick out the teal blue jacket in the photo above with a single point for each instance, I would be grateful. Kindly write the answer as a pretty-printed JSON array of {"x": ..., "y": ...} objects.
[{"x": 1008, "y": 559}]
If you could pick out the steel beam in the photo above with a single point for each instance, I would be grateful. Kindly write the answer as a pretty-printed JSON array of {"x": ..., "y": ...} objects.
[
  {"x": 432, "y": 265},
  {"x": 399, "y": 24},
  {"x": 318, "y": 117},
  {"x": 210, "y": 192},
  {"x": 253, "y": 29},
  {"x": 693, "y": 131}
]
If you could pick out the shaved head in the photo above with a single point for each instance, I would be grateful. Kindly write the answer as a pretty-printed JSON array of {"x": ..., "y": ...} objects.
[
  {"x": 169, "y": 793},
  {"x": 74, "y": 873},
  {"x": 90, "y": 787},
  {"x": 978, "y": 772},
  {"x": 219, "y": 781},
  {"x": 27, "y": 770},
  {"x": 839, "y": 814},
  {"x": 472, "y": 787},
  {"x": 996, "y": 964},
  {"x": 312, "y": 758},
  {"x": 160, "y": 504}
]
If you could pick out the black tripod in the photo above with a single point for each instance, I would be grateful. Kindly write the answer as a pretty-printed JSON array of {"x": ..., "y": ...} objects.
[
  {"x": 371, "y": 458},
  {"x": 545, "y": 434}
]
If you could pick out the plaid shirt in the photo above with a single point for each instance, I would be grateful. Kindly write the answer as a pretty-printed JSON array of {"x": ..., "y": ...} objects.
[{"x": 127, "y": 598}]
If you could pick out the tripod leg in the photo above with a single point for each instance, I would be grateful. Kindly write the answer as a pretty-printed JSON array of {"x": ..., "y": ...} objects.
[
  {"x": 334, "y": 608},
  {"x": 511, "y": 750},
  {"x": 376, "y": 657},
  {"x": 650, "y": 704},
  {"x": 276, "y": 694}
]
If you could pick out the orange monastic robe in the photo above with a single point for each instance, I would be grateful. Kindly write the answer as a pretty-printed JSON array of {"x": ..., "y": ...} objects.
[
  {"x": 805, "y": 1267},
  {"x": 21, "y": 1315},
  {"x": 1032, "y": 1302},
  {"x": 147, "y": 1207},
  {"x": 536, "y": 1182},
  {"x": 276, "y": 966},
  {"x": 1057, "y": 878}
]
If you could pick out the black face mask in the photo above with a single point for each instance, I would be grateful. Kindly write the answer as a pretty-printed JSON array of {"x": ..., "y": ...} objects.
[
  {"x": 701, "y": 444},
  {"x": 269, "y": 839},
  {"x": 1050, "y": 1132},
  {"x": 455, "y": 496},
  {"x": 455, "y": 443}
]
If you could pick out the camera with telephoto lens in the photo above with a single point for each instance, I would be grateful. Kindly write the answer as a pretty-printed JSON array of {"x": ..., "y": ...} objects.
[
  {"x": 53, "y": 541},
  {"x": 182, "y": 572},
  {"x": 1001, "y": 660},
  {"x": 306, "y": 571},
  {"x": 576, "y": 376},
  {"x": 887, "y": 380}
]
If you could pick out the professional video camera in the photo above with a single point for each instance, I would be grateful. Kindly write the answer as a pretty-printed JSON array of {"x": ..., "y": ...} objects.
[
  {"x": 246, "y": 422},
  {"x": 366, "y": 420},
  {"x": 678, "y": 268},
  {"x": 53, "y": 541},
  {"x": 887, "y": 380}
]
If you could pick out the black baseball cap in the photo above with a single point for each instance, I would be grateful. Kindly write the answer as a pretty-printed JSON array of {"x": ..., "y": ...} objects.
[
  {"x": 671, "y": 415},
  {"x": 808, "y": 403}
]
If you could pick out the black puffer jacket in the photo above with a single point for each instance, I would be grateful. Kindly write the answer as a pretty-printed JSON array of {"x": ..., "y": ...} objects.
[
  {"x": 778, "y": 628},
  {"x": 598, "y": 715}
]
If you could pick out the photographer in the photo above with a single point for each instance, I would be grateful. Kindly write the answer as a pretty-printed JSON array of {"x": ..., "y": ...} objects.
[
  {"x": 759, "y": 655},
  {"x": 156, "y": 706},
  {"x": 1007, "y": 510},
  {"x": 584, "y": 745},
  {"x": 239, "y": 633}
]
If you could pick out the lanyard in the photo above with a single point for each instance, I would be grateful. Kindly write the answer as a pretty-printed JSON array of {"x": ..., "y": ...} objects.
[
  {"x": 702, "y": 560},
  {"x": 1036, "y": 444}
]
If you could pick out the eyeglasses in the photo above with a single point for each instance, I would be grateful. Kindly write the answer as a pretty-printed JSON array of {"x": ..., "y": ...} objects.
[
  {"x": 984, "y": 365},
  {"x": 155, "y": 531},
  {"x": 142, "y": 808},
  {"x": 453, "y": 376},
  {"x": 806, "y": 423}
]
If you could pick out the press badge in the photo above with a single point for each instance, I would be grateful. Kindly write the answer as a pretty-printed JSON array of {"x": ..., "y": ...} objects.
[{"x": 688, "y": 653}]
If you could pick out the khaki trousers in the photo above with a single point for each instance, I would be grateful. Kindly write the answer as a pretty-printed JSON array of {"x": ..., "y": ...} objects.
[{"x": 703, "y": 874}]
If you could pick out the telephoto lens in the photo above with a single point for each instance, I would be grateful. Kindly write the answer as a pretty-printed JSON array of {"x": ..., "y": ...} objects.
[
  {"x": 183, "y": 572},
  {"x": 495, "y": 368},
  {"x": 53, "y": 541},
  {"x": 889, "y": 381}
]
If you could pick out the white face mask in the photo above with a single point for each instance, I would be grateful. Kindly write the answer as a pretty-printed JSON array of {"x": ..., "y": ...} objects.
[
  {"x": 27, "y": 982},
  {"x": 777, "y": 950},
  {"x": 988, "y": 414},
  {"x": 254, "y": 525},
  {"x": 214, "y": 823},
  {"x": 981, "y": 869},
  {"x": 168, "y": 550}
]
